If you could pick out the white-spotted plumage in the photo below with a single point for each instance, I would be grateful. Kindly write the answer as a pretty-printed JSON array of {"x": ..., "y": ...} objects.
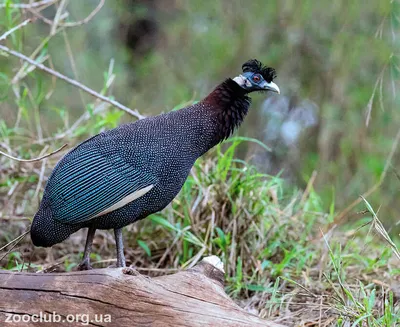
[{"x": 125, "y": 174}]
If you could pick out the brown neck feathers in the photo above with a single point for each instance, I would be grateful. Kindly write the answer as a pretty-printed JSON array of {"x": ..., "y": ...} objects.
[{"x": 230, "y": 105}]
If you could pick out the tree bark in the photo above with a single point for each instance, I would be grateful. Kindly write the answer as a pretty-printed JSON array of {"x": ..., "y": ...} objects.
[{"x": 121, "y": 297}]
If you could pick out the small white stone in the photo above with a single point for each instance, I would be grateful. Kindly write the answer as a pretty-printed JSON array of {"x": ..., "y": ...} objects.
[{"x": 215, "y": 261}]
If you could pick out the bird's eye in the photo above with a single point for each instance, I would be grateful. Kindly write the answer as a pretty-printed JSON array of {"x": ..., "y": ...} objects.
[{"x": 256, "y": 78}]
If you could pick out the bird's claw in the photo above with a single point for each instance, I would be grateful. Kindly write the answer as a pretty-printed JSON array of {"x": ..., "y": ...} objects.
[
  {"x": 84, "y": 265},
  {"x": 130, "y": 271}
]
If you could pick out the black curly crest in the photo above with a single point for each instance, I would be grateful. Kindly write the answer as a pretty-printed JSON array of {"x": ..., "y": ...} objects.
[{"x": 255, "y": 66}]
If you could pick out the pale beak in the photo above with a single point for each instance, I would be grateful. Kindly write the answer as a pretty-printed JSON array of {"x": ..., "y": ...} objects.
[{"x": 271, "y": 86}]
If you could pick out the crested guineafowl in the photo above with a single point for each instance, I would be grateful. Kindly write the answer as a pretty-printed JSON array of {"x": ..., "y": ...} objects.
[{"x": 125, "y": 174}]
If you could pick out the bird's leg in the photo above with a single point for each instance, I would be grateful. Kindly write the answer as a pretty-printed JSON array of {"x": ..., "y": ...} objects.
[
  {"x": 120, "y": 247},
  {"x": 85, "y": 264}
]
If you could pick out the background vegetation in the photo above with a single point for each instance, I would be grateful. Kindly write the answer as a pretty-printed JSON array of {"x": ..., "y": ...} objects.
[{"x": 299, "y": 244}]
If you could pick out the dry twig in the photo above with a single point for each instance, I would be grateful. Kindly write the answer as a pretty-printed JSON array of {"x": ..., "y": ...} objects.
[
  {"x": 68, "y": 24},
  {"x": 70, "y": 81},
  {"x": 4, "y": 36},
  {"x": 35, "y": 159}
]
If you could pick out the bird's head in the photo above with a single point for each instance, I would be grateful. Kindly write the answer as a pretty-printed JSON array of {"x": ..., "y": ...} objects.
[{"x": 257, "y": 77}]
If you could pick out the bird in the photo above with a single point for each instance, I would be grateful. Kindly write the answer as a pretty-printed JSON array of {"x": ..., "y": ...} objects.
[{"x": 125, "y": 174}]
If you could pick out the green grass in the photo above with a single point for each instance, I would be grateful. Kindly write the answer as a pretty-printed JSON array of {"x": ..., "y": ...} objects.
[{"x": 280, "y": 260}]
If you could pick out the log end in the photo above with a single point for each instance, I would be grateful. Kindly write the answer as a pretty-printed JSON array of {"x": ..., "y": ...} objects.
[{"x": 211, "y": 267}]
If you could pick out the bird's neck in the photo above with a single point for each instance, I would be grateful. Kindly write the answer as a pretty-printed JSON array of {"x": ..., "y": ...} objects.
[{"x": 228, "y": 105}]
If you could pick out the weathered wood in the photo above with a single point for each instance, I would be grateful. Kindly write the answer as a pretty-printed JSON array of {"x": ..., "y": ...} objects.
[{"x": 119, "y": 297}]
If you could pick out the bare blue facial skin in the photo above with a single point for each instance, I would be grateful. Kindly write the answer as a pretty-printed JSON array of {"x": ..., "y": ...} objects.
[{"x": 256, "y": 82}]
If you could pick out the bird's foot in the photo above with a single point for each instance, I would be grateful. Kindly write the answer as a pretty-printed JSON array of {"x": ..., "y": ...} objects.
[
  {"x": 117, "y": 265},
  {"x": 130, "y": 271},
  {"x": 84, "y": 265}
]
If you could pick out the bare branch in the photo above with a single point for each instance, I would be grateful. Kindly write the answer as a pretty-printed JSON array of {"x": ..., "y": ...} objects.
[
  {"x": 35, "y": 159},
  {"x": 69, "y": 24},
  {"x": 4, "y": 36},
  {"x": 58, "y": 17},
  {"x": 88, "y": 18},
  {"x": 71, "y": 81}
]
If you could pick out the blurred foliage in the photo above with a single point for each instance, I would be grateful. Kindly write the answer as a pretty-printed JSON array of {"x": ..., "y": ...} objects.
[{"x": 343, "y": 56}]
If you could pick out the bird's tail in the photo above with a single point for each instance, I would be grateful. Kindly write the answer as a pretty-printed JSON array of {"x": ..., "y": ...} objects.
[{"x": 46, "y": 231}]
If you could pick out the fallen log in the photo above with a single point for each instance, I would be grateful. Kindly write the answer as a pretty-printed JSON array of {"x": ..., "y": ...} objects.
[{"x": 122, "y": 297}]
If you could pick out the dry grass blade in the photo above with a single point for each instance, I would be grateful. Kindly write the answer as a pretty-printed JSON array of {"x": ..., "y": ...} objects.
[
  {"x": 370, "y": 103},
  {"x": 299, "y": 285},
  {"x": 15, "y": 240},
  {"x": 309, "y": 187},
  {"x": 25, "y": 68},
  {"x": 381, "y": 229},
  {"x": 35, "y": 159},
  {"x": 371, "y": 99}
]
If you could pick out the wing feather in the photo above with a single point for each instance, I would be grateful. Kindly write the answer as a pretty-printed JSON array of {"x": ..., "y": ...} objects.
[{"x": 86, "y": 183}]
